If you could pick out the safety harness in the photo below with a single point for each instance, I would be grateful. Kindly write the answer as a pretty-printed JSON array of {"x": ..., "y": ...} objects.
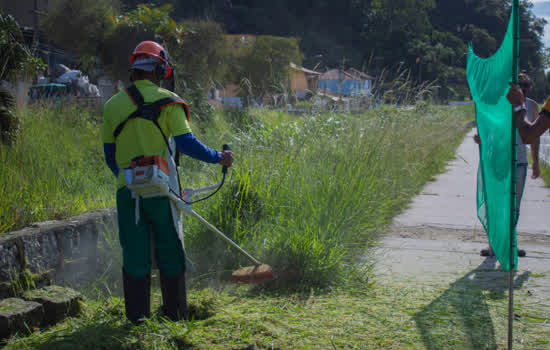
[
  {"x": 150, "y": 111},
  {"x": 148, "y": 176}
]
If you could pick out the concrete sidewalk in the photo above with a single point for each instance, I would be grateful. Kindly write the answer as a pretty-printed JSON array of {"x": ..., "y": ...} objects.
[
  {"x": 450, "y": 201},
  {"x": 439, "y": 237}
]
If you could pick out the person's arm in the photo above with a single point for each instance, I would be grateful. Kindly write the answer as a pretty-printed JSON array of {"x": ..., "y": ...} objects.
[
  {"x": 109, "y": 149},
  {"x": 189, "y": 145},
  {"x": 536, "y": 144},
  {"x": 527, "y": 130},
  {"x": 109, "y": 145}
]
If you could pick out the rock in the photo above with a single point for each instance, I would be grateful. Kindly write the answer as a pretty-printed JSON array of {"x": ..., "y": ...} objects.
[
  {"x": 41, "y": 250},
  {"x": 58, "y": 302},
  {"x": 18, "y": 315},
  {"x": 9, "y": 260},
  {"x": 45, "y": 246}
]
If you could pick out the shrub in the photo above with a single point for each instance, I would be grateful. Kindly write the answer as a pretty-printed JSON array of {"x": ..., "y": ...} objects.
[{"x": 15, "y": 58}]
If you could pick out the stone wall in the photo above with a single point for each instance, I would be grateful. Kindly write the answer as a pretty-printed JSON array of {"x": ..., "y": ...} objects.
[{"x": 53, "y": 250}]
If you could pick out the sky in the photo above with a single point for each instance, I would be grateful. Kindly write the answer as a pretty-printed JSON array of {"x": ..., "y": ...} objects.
[{"x": 542, "y": 9}]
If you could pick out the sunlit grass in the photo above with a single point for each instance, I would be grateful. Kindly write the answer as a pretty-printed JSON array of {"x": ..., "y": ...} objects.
[
  {"x": 55, "y": 169},
  {"x": 306, "y": 192}
]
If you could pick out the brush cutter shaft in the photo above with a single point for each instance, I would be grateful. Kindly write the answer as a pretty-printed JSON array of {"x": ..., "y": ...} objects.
[
  {"x": 224, "y": 237},
  {"x": 186, "y": 208},
  {"x": 206, "y": 188}
]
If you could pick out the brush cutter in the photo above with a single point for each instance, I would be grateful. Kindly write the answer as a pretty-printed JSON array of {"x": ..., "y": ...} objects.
[{"x": 147, "y": 178}]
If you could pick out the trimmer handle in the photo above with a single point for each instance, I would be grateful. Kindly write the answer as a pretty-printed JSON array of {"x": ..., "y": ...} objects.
[{"x": 225, "y": 147}]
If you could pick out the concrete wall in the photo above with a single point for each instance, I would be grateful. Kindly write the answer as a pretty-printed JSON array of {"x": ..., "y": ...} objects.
[{"x": 54, "y": 250}]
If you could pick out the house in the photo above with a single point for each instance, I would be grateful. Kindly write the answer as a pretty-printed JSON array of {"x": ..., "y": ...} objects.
[
  {"x": 303, "y": 81},
  {"x": 229, "y": 96},
  {"x": 351, "y": 82}
]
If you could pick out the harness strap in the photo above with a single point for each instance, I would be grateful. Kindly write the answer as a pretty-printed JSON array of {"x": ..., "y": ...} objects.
[{"x": 150, "y": 111}]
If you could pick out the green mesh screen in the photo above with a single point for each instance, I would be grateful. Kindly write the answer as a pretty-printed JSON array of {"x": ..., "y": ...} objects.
[{"x": 488, "y": 80}]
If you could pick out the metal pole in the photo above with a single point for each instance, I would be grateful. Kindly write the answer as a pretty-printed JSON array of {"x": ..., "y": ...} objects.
[
  {"x": 512, "y": 267},
  {"x": 185, "y": 208},
  {"x": 224, "y": 237}
]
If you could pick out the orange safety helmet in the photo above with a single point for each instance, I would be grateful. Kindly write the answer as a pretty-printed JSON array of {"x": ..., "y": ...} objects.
[{"x": 153, "y": 49}]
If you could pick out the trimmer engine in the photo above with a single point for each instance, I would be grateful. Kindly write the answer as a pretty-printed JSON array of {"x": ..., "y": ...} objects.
[{"x": 148, "y": 176}]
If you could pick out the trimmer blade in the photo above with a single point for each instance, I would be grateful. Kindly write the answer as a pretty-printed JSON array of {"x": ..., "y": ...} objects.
[{"x": 253, "y": 274}]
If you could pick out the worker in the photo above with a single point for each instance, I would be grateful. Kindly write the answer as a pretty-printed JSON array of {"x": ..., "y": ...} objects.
[
  {"x": 526, "y": 86},
  {"x": 528, "y": 131},
  {"x": 127, "y": 135}
]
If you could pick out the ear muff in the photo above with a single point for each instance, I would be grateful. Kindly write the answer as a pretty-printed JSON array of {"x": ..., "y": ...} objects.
[
  {"x": 160, "y": 70},
  {"x": 163, "y": 69}
]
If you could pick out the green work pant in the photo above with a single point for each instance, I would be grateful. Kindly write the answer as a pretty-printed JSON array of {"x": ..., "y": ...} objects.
[{"x": 135, "y": 240}]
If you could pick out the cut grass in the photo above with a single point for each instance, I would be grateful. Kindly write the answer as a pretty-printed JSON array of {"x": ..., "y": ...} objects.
[{"x": 390, "y": 315}]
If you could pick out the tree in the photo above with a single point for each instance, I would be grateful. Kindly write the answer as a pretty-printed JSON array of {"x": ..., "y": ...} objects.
[
  {"x": 202, "y": 55},
  {"x": 15, "y": 58},
  {"x": 130, "y": 28},
  {"x": 267, "y": 64},
  {"x": 16, "y": 61},
  {"x": 81, "y": 26}
]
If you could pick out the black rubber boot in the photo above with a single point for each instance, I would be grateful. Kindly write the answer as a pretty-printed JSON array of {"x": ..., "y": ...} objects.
[
  {"x": 487, "y": 252},
  {"x": 174, "y": 296},
  {"x": 137, "y": 297}
]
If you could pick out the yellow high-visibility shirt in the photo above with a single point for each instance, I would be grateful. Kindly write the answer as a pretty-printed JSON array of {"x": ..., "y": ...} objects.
[{"x": 140, "y": 137}]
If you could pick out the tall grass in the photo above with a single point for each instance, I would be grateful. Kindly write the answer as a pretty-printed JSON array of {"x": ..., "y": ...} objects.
[
  {"x": 307, "y": 195},
  {"x": 55, "y": 169}
]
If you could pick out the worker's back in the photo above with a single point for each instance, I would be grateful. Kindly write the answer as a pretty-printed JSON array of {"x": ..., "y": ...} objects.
[{"x": 140, "y": 137}]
